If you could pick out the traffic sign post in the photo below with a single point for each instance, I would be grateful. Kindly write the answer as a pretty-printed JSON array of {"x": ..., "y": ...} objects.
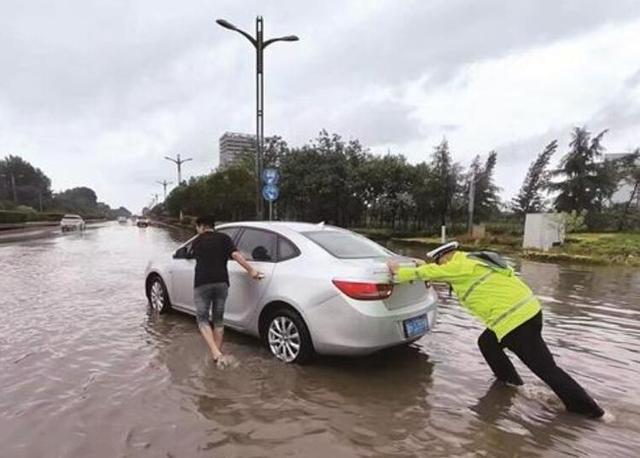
[
  {"x": 270, "y": 176},
  {"x": 270, "y": 193}
]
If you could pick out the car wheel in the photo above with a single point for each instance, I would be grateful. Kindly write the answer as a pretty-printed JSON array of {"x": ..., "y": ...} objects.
[
  {"x": 287, "y": 337},
  {"x": 158, "y": 296}
]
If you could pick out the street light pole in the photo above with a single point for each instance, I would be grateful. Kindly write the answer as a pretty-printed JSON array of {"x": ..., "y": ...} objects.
[
  {"x": 164, "y": 184},
  {"x": 259, "y": 43},
  {"x": 259, "y": 112},
  {"x": 179, "y": 163}
]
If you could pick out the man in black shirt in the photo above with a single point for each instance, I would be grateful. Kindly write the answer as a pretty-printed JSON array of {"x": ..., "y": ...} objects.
[{"x": 212, "y": 250}]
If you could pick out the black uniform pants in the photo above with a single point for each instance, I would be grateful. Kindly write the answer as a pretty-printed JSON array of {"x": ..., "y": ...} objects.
[{"x": 527, "y": 343}]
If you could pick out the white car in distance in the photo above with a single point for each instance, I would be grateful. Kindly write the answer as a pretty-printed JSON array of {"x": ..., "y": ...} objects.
[{"x": 72, "y": 223}]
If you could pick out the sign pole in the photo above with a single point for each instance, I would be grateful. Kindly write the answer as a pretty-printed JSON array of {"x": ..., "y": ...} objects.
[{"x": 270, "y": 192}]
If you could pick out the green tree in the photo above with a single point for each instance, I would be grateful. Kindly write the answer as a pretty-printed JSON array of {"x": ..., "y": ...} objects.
[
  {"x": 445, "y": 176},
  {"x": 80, "y": 199},
  {"x": 585, "y": 182},
  {"x": 486, "y": 200},
  {"x": 228, "y": 194},
  {"x": 630, "y": 174},
  {"x": 23, "y": 184},
  {"x": 322, "y": 181},
  {"x": 530, "y": 198},
  {"x": 274, "y": 149}
]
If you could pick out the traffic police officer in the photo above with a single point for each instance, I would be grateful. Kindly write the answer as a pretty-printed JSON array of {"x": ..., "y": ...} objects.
[{"x": 489, "y": 288}]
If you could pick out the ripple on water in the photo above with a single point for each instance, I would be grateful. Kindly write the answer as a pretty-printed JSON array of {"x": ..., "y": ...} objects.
[{"x": 88, "y": 371}]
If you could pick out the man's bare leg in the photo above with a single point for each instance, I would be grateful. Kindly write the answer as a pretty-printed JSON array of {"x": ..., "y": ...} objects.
[
  {"x": 218, "y": 336},
  {"x": 208, "y": 335}
]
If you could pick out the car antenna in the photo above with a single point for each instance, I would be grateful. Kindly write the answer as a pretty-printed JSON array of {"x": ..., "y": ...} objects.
[{"x": 321, "y": 224}]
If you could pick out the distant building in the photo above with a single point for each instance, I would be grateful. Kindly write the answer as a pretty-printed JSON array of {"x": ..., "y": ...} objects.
[
  {"x": 623, "y": 193},
  {"x": 233, "y": 144}
]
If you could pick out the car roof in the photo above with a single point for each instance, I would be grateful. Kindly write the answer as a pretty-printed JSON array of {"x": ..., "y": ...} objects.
[
  {"x": 70, "y": 215},
  {"x": 290, "y": 225}
]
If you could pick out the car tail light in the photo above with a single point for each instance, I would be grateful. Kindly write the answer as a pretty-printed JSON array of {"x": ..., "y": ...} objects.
[{"x": 364, "y": 291}]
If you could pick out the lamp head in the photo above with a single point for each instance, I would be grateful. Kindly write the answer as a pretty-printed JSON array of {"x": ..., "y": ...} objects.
[{"x": 226, "y": 24}]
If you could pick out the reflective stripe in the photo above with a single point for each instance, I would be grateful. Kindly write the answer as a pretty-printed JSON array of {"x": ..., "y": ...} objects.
[
  {"x": 476, "y": 284},
  {"x": 512, "y": 309}
]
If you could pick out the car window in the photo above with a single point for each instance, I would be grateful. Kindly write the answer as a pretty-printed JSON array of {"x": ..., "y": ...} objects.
[
  {"x": 256, "y": 245},
  {"x": 230, "y": 231},
  {"x": 347, "y": 245},
  {"x": 187, "y": 246},
  {"x": 286, "y": 249}
]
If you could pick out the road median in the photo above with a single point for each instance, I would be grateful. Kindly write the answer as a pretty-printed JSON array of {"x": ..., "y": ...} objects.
[{"x": 583, "y": 248}]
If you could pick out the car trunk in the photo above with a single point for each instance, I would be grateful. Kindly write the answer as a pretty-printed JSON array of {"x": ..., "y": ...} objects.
[{"x": 375, "y": 270}]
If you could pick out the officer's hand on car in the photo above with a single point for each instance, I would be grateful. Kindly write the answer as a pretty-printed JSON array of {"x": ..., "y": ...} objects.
[{"x": 393, "y": 265}]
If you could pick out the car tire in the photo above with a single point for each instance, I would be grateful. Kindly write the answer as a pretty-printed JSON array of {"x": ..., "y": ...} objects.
[
  {"x": 287, "y": 337},
  {"x": 158, "y": 295}
]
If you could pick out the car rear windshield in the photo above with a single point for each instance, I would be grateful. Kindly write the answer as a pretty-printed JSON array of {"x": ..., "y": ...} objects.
[{"x": 346, "y": 245}]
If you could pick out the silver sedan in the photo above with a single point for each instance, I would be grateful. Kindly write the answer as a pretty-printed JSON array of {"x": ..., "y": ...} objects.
[{"x": 325, "y": 290}]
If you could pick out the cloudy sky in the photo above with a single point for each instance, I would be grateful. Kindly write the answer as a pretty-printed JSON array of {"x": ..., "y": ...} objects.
[{"x": 96, "y": 93}]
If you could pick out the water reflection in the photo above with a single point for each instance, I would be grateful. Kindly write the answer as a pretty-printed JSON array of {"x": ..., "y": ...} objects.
[
  {"x": 373, "y": 401},
  {"x": 89, "y": 371}
]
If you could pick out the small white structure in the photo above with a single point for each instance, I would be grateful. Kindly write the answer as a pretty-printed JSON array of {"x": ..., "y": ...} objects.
[{"x": 543, "y": 230}]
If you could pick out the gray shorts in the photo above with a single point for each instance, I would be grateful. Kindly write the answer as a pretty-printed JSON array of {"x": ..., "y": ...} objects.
[{"x": 209, "y": 300}]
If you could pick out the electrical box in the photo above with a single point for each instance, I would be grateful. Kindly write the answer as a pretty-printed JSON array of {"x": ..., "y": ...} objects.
[{"x": 543, "y": 230}]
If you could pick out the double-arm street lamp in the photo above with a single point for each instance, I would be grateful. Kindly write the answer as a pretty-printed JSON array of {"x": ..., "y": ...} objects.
[
  {"x": 178, "y": 161},
  {"x": 259, "y": 43},
  {"x": 164, "y": 184}
]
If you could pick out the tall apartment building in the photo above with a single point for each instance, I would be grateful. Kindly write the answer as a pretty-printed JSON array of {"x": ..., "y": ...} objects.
[{"x": 233, "y": 144}]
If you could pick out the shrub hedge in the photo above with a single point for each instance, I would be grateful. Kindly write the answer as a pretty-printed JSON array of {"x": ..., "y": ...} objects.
[{"x": 11, "y": 217}]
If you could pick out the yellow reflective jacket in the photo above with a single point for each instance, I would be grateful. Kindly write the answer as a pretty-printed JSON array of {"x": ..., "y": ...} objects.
[{"x": 495, "y": 295}]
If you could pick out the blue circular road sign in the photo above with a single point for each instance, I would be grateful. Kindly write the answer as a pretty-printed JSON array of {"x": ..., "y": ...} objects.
[
  {"x": 270, "y": 176},
  {"x": 270, "y": 192}
]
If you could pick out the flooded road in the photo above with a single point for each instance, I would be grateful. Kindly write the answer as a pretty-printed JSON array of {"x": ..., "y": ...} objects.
[{"x": 86, "y": 370}]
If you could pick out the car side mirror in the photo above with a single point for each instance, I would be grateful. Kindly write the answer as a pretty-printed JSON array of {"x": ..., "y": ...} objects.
[{"x": 182, "y": 253}]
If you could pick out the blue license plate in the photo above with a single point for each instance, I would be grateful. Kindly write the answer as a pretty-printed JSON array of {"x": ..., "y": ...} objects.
[{"x": 415, "y": 326}]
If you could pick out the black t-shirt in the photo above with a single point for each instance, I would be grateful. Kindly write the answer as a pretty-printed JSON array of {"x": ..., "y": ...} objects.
[{"x": 212, "y": 250}]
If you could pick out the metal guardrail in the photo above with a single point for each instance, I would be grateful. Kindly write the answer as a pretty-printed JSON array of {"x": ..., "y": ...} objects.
[
  {"x": 8, "y": 226},
  {"x": 36, "y": 224}
]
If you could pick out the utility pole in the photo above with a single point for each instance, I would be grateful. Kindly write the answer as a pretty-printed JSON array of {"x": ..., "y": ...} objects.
[
  {"x": 164, "y": 184},
  {"x": 13, "y": 188},
  {"x": 259, "y": 44},
  {"x": 472, "y": 197},
  {"x": 179, "y": 163},
  {"x": 12, "y": 181}
]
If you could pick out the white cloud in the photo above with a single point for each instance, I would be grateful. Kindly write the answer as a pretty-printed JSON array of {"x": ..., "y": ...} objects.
[
  {"x": 539, "y": 93},
  {"x": 98, "y": 93}
]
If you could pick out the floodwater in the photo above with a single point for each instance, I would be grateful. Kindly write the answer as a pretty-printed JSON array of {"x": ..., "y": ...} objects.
[{"x": 87, "y": 371}]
